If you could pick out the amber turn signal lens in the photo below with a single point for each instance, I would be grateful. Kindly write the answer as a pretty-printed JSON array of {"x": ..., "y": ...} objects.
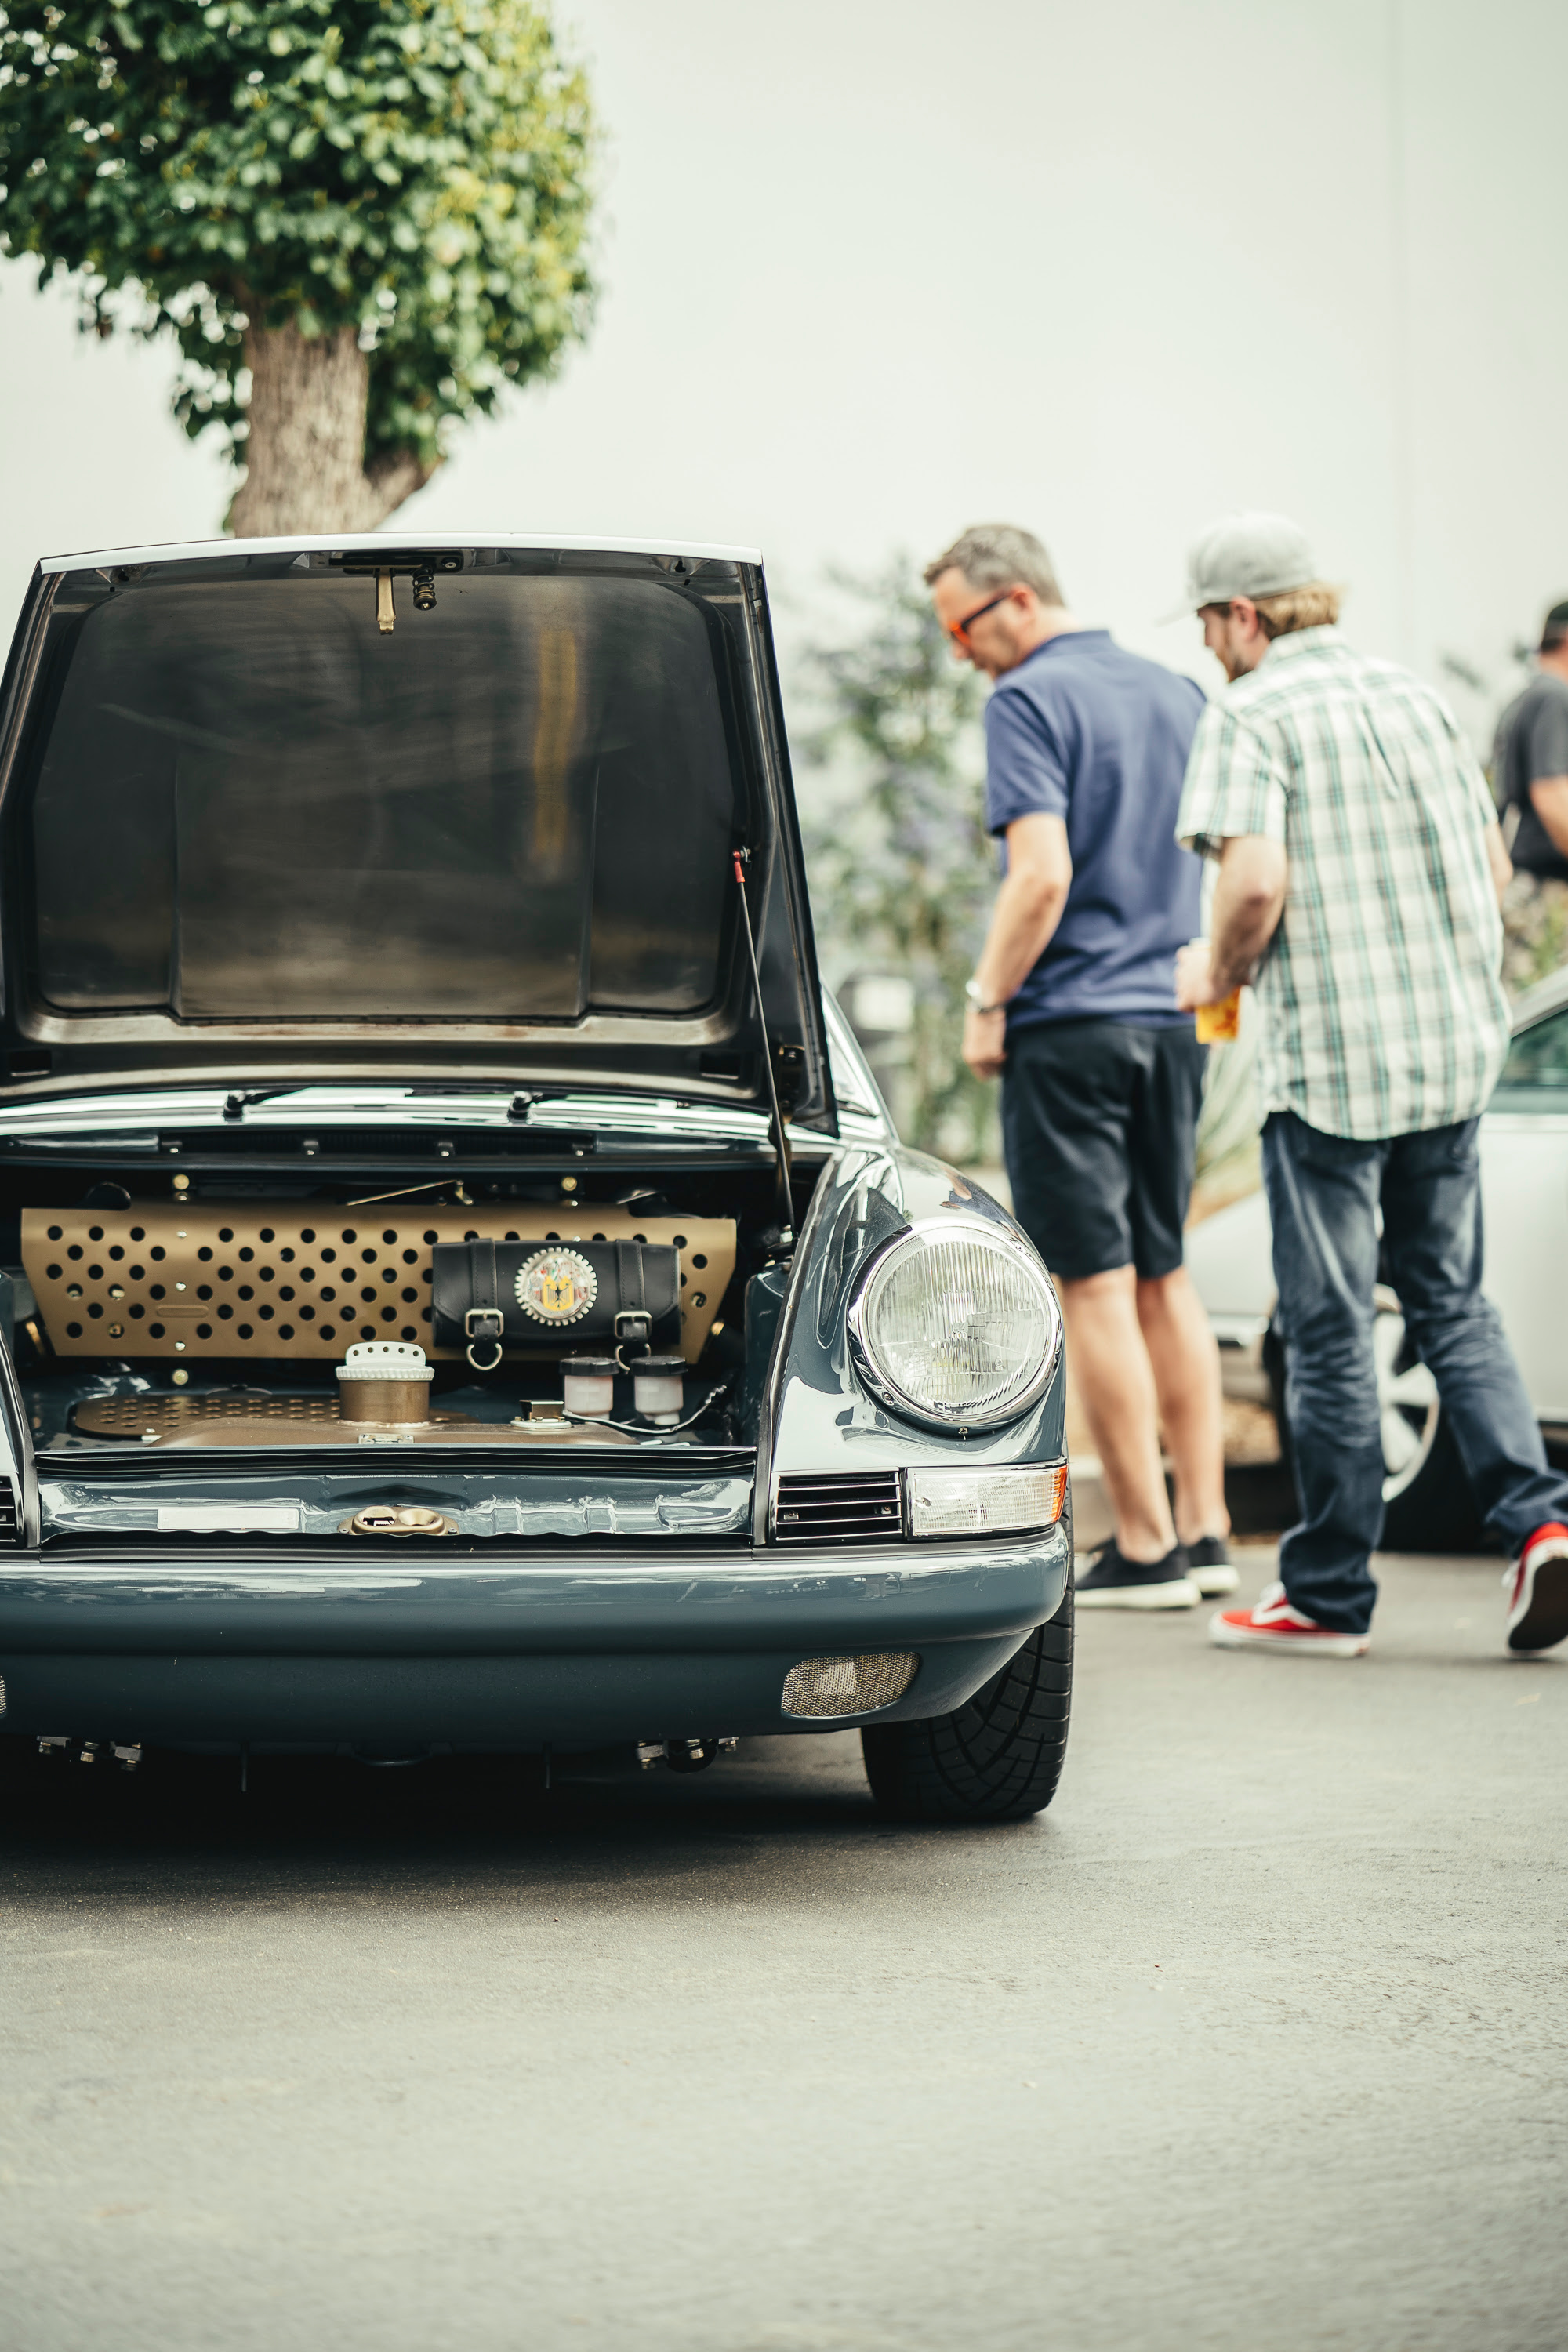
[{"x": 984, "y": 1501}]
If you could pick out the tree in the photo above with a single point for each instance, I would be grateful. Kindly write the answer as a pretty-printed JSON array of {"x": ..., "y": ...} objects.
[
  {"x": 902, "y": 872},
  {"x": 359, "y": 219}
]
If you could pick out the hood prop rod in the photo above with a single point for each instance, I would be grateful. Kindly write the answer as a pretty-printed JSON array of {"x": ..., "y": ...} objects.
[{"x": 780, "y": 1146}]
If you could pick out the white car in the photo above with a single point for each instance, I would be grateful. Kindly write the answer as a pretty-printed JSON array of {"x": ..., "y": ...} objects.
[{"x": 1524, "y": 1195}]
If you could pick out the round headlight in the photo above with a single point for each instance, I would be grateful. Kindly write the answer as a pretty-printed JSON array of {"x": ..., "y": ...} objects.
[{"x": 956, "y": 1324}]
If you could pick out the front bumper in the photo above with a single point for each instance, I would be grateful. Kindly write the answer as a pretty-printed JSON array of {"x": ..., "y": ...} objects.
[{"x": 164, "y": 1646}]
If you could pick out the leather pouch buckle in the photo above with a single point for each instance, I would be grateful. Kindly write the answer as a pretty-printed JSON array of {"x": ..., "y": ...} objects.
[
  {"x": 482, "y": 1327},
  {"x": 634, "y": 1328}
]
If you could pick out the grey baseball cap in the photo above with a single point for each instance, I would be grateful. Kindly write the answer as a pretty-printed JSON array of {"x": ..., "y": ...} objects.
[{"x": 1245, "y": 555}]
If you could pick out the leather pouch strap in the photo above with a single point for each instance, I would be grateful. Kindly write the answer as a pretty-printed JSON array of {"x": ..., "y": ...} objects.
[
  {"x": 629, "y": 1277},
  {"x": 633, "y": 1324},
  {"x": 484, "y": 1322}
]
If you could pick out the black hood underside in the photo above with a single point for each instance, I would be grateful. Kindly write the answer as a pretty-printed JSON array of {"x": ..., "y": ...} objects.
[{"x": 249, "y": 825}]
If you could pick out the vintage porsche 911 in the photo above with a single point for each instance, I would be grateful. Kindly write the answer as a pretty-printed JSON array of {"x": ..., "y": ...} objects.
[{"x": 462, "y": 1289}]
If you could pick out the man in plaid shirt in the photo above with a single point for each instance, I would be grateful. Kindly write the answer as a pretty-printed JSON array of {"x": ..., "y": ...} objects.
[{"x": 1360, "y": 869}]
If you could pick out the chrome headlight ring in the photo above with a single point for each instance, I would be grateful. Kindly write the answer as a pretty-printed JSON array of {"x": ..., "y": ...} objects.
[{"x": 899, "y": 1256}]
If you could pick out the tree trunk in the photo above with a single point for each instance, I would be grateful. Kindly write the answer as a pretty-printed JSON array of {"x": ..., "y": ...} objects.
[{"x": 304, "y": 456}]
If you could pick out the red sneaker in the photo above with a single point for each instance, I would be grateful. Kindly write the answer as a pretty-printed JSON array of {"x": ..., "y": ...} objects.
[
  {"x": 1538, "y": 1601},
  {"x": 1273, "y": 1625}
]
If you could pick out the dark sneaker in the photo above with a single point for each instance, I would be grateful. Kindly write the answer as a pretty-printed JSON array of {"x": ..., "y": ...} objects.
[
  {"x": 1111, "y": 1582},
  {"x": 1210, "y": 1567},
  {"x": 1537, "y": 1598}
]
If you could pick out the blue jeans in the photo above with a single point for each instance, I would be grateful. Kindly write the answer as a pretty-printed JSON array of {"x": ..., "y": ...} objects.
[{"x": 1323, "y": 1193}]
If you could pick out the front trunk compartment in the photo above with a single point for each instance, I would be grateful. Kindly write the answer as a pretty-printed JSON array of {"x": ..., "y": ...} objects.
[{"x": 178, "y": 1336}]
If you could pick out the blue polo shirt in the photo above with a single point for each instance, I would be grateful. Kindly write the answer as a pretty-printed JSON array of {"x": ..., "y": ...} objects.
[{"x": 1099, "y": 737}]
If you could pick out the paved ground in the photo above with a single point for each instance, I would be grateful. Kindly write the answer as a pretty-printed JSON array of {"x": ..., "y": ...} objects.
[{"x": 1256, "y": 2042}]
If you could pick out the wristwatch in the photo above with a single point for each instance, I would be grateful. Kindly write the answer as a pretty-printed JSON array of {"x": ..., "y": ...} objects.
[{"x": 971, "y": 990}]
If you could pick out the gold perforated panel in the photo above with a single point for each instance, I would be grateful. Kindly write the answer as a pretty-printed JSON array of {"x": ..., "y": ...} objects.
[{"x": 191, "y": 1279}]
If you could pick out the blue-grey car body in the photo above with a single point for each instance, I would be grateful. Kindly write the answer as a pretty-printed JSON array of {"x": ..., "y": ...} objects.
[{"x": 606, "y": 1597}]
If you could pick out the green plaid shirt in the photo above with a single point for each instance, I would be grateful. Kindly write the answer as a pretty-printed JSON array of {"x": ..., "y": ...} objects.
[{"x": 1382, "y": 1011}]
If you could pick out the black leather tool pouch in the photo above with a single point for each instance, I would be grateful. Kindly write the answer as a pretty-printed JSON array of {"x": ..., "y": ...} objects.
[{"x": 494, "y": 1296}]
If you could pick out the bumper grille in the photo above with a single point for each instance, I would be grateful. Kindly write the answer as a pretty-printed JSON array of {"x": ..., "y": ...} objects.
[
  {"x": 9, "y": 1531},
  {"x": 867, "y": 1508}
]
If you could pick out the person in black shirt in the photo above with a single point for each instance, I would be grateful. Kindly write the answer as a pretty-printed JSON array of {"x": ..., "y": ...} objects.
[{"x": 1530, "y": 775}]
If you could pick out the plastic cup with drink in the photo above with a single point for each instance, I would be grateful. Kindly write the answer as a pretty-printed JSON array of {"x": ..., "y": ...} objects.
[{"x": 1218, "y": 1024}]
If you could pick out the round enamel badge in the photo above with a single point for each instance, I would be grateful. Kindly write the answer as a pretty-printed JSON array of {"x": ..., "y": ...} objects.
[{"x": 556, "y": 1286}]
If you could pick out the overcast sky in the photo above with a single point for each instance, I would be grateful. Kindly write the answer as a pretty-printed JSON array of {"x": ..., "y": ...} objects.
[{"x": 874, "y": 269}]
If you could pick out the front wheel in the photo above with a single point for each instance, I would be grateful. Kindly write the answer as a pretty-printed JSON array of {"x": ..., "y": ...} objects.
[{"x": 999, "y": 1756}]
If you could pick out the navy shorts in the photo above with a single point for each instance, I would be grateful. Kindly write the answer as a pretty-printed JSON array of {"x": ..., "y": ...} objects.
[{"x": 1098, "y": 1122}]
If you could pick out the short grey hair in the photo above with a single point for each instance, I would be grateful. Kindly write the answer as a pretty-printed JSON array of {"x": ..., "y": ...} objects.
[{"x": 1000, "y": 556}]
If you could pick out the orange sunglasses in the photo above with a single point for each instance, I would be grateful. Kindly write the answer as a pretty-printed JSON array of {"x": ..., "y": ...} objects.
[{"x": 959, "y": 630}]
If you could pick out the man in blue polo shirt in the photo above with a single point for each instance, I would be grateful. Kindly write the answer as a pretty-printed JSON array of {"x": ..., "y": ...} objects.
[{"x": 1073, "y": 1003}]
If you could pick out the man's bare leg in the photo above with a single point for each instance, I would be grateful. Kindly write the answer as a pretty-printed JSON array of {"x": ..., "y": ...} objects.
[
  {"x": 1115, "y": 1379},
  {"x": 1182, "y": 1350}
]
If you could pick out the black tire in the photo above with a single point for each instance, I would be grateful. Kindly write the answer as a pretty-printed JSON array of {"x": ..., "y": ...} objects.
[
  {"x": 1435, "y": 1509},
  {"x": 997, "y": 1758}
]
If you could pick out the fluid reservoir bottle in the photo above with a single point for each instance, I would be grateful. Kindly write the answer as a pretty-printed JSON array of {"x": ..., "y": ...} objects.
[
  {"x": 590, "y": 1383},
  {"x": 658, "y": 1388}
]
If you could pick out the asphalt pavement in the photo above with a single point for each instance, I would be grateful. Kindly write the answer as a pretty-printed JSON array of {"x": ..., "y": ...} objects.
[{"x": 1255, "y": 2042}]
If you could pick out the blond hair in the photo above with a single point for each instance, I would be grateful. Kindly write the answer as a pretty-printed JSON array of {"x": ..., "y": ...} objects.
[{"x": 1314, "y": 605}]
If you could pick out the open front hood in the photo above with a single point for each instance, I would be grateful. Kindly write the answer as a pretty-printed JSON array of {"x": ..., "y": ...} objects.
[{"x": 298, "y": 810}]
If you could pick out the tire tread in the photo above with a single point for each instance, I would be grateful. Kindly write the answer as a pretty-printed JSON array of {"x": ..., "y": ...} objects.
[{"x": 999, "y": 1757}]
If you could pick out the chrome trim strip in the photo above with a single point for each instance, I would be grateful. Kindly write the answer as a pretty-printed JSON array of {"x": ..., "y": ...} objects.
[
  {"x": 48, "y": 1107},
  {"x": 309, "y": 1567}
]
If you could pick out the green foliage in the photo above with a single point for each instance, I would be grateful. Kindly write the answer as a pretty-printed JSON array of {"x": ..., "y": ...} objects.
[
  {"x": 413, "y": 168},
  {"x": 902, "y": 876},
  {"x": 1535, "y": 931}
]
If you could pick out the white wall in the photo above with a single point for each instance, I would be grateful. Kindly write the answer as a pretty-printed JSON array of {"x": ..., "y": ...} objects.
[{"x": 875, "y": 269}]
